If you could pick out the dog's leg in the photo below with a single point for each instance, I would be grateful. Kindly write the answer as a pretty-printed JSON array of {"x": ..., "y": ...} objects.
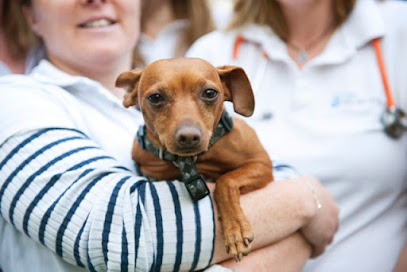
[{"x": 237, "y": 230}]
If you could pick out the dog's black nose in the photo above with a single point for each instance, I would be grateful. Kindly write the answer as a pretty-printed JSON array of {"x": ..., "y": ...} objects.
[{"x": 188, "y": 137}]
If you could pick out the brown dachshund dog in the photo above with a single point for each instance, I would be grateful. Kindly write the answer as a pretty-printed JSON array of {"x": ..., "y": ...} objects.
[{"x": 181, "y": 101}]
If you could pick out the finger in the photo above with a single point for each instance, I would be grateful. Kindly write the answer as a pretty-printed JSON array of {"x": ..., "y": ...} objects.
[{"x": 317, "y": 251}]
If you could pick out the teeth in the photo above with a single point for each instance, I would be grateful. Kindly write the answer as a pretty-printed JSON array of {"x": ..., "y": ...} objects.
[{"x": 98, "y": 23}]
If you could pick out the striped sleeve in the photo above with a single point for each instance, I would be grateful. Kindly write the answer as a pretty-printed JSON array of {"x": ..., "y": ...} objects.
[{"x": 61, "y": 190}]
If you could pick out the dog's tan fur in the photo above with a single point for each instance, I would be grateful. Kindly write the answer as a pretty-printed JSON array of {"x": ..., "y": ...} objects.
[{"x": 237, "y": 161}]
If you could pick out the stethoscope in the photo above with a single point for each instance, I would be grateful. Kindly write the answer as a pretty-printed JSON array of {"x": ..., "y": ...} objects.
[{"x": 394, "y": 119}]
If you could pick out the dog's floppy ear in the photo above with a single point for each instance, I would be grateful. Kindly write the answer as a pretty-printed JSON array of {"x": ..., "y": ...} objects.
[
  {"x": 129, "y": 80},
  {"x": 237, "y": 89}
]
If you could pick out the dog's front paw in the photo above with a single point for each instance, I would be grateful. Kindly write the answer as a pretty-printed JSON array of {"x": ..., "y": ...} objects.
[{"x": 238, "y": 237}]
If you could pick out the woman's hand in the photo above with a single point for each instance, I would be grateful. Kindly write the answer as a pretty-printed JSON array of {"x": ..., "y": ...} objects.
[{"x": 320, "y": 229}]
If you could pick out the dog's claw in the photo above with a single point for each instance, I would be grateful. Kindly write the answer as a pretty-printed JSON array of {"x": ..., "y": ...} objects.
[
  {"x": 236, "y": 258},
  {"x": 238, "y": 241}
]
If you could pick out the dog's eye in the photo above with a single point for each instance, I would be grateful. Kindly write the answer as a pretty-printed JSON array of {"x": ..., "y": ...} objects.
[
  {"x": 156, "y": 98},
  {"x": 209, "y": 94}
]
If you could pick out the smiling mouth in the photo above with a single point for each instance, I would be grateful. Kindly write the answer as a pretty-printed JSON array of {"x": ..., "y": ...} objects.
[{"x": 97, "y": 23}]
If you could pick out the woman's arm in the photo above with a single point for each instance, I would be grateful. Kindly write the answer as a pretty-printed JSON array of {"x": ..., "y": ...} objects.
[
  {"x": 60, "y": 189},
  {"x": 281, "y": 209},
  {"x": 288, "y": 255},
  {"x": 292, "y": 252}
]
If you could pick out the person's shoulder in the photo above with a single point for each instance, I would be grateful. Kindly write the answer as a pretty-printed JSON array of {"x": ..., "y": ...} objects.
[
  {"x": 25, "y": 89},
  {"x": 17, "y": 81},
  {"x": 221, "y": 38},
  {"x": 214, "y": 40},
  {"x": 219, "y": 35},
  {"x": 394, "y": 16},
  {"x": 216, "y": 47},
  {"x": 394, "y": 13},
  {"x": 28, "y": 104},
  {"x": 392, "y": 7},
  {"x": 21, "y": 84}
]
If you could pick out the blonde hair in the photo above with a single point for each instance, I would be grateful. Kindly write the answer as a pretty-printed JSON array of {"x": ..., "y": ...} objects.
[
  {"x": 268, "y": 12},
  {"x": 20, "y": 37}
]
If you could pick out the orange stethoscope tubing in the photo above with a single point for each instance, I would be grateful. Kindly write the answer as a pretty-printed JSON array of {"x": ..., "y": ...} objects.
[
  {"x": 236, "y": 47},
  {"x": 380, "y": 61}
]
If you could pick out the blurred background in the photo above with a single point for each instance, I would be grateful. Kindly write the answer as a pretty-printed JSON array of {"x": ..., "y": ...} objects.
[{"x": 221, "y": 10}]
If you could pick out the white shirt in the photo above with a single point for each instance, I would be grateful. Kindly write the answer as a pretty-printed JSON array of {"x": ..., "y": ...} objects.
[{"x": 325, "y": 121}]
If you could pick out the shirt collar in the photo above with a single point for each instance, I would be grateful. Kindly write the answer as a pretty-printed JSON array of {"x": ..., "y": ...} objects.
[
  {"x": 47, "y": 73},
  {"x": 269, "y": 42},
  {"x": 363, "y": 25}
]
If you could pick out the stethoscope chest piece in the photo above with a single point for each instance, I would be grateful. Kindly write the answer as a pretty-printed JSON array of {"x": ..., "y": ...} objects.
[{"x": 394, "y": 120}]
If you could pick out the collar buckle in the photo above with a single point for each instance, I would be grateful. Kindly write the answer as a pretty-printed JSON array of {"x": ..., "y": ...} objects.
[{"x": 196, "y": 187}]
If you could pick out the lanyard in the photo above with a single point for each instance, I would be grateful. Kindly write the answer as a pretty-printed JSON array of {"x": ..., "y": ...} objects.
[{"x": 394, "y": 119}]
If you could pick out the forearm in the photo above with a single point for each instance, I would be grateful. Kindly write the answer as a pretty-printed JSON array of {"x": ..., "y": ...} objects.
[
  {"x": 275, "y": 212},
  {"x": 287, "y": 255}
]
